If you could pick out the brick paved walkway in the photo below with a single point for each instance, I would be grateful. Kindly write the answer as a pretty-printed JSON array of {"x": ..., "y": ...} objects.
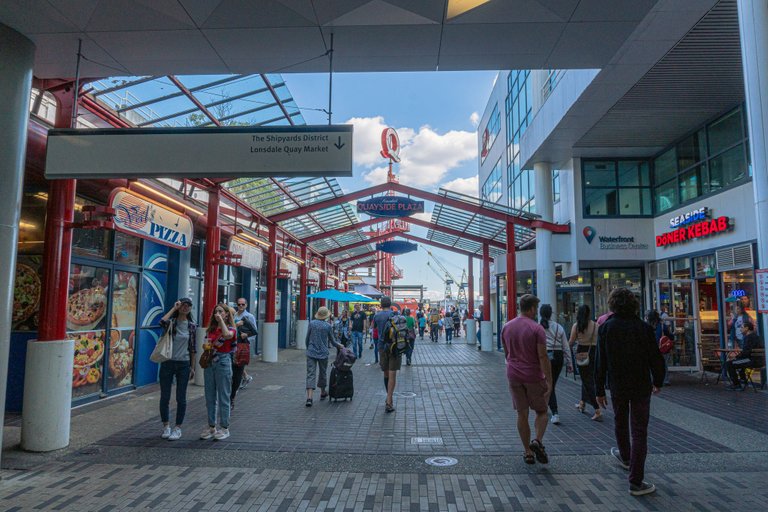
[{"x": 352, "y": 456}]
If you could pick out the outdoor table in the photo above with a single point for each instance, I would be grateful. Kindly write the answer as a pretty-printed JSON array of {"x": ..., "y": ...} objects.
[{"x": 720, "y": 352}]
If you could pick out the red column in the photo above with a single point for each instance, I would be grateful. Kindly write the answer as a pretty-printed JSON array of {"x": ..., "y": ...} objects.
[
  {"x": 486, "y": 284},
  {"x": 212, "y": 246},
  {"x": 323, "y": 278},
  {"x": 271, "y": 274},
  {"x": 471, "y": 287},
  {"x": 57, "y": 250},
  {"x": 303, "y": 284},
  {"x": 511, "y": 273}
]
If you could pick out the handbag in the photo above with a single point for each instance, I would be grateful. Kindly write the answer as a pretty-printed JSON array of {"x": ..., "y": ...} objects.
[
  {"x": 207, "y": 358},
  {"x": 582, "y": 358},
  {"x": 666, "y": 345},
  {"x": 242, "y": 354},
  {"x": 163, "y": 351}
]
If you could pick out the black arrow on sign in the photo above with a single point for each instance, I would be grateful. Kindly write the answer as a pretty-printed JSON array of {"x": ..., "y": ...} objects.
[{"x": 339, "y": 144}]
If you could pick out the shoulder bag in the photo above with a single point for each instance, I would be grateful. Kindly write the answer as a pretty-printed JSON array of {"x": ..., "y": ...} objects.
[
  {"x": 582, "y": 358},
  {"x": 207, "y": 358},
  {"x": 164, "y": 349}
]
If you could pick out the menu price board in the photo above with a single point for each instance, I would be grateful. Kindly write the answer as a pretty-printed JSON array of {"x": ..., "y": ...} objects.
[{"x": 761, "y": 280}]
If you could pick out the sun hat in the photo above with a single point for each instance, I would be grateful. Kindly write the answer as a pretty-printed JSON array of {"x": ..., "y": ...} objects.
[{"x": 322, "y": 313}]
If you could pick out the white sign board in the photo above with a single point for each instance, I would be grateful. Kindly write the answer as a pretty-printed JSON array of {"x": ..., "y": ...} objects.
[
  {"x": 313, "y": 275},
  {"x": 143, "y": 217},
  {"x": 251, "y": 256},
  {"x": 290, "y": 266},
  {"x": 200, "y": 152},
  {"x": 761, "y": 280}
]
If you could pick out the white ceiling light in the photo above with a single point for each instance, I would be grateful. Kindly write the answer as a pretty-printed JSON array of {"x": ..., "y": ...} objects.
[{"x": 458, "y": 7}]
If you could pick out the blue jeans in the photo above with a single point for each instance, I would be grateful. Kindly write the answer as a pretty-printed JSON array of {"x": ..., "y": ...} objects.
[
  {"x": 421, "y": 332},
  {"x": 357, "y": 344},
  {"x": 218, "y": 386},
  {"x": 168, "y": 370},
  {"x": 448, "y": 333},
  {"x": 376, "y": 349}
]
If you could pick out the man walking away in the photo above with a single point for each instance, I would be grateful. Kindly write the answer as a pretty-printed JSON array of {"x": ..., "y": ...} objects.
[
  {"x": 434, "y": 324},
  {"x": 627, "y": 353},
  {"x": 390, "y": 363},
  {"x": 358, "y": 328},
  {"x": 529, "y": 374},
  {"x": 456, "y": 322}
]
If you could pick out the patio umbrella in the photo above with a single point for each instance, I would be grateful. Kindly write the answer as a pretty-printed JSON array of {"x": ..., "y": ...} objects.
[{"x": 339, "y": 296}]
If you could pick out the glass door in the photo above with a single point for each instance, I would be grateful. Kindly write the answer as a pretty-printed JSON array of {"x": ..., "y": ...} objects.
[{"x": 678, "y": 307}]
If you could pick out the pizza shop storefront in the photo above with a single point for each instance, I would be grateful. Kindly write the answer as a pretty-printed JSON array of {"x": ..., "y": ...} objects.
[{"x": 117, "y": 294}]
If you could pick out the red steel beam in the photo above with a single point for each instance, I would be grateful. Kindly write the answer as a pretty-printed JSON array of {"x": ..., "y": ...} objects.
[
  {"x": 456, "y": 232},
  {"x": 353, "y": 258},
  {"x": 320, "y": 205},
  {"x": 430, "y": 196},
  {"x": 341, "y": 230},
  {"x": 365, "y": 263},
  {"x": 414, "y": 238},
  {"x": 373, "y": 239}
]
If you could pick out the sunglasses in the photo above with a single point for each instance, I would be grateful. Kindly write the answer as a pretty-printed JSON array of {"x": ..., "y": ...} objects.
[{"x": 241, "y": 303}]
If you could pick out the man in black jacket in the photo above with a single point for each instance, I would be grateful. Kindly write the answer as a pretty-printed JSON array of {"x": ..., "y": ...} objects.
[
  {"x": 628, "y": 356},
  {"x": 744, "y": 359}
]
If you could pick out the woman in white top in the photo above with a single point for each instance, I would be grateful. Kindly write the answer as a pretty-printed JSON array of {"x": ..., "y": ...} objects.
[
  {"x": 556, "y": 347},
  {"x": 584, "y": 336}
]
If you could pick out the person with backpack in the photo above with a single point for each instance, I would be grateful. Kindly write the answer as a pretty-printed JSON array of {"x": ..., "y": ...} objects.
[
  {"x": 411, "y": 324},
  {"x": 456, "y": 322},
  {"x": 389, "y": 360},
  {"x": 556, "y": 349},
  {"x": 448, "y": 323},
  {"x": 434, "y": 324},
  {"x": 422, "y": 325}
]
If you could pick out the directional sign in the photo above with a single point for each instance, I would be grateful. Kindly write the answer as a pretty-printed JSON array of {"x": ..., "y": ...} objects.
[{"x": 313, "y": 151}]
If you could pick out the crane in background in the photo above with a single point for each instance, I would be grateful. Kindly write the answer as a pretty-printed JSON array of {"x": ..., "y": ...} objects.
[{"x": 461, "y": 298}]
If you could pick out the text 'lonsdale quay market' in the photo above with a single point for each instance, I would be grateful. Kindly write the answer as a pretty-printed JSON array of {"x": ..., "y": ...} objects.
[{"x": 155, "y": 161}]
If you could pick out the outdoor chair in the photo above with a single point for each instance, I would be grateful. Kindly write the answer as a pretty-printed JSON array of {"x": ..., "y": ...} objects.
[
  {"x": 709, "y": 360},
  {"x": 749, "y": 372}
]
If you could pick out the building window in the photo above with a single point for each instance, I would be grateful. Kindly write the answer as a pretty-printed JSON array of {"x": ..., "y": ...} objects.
[
  {"x": 705, "y": 162},
  {"x": 492, "y": 188},
  {"x": 519, "y": 110},
  {"x": 555, "y": 186},
  {"x": 490, "y": 133},
  {"x": 616, "y": 188}
]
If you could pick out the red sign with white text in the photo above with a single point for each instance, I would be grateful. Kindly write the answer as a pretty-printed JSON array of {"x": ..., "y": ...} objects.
[{"x": 698, "y": 230}]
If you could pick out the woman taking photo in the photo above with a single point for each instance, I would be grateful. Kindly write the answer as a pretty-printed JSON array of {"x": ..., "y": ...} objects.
[
  {"x": 556, "y": 347},
  {"x": 319, "y": 338},
  {"x": 584, "y": 336},
  {"x": 220, "y": 336},
  {"x": 181, "y": 365}
]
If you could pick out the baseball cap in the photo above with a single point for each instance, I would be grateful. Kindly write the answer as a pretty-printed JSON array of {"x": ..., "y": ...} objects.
[{"x": 186, "y": 300}]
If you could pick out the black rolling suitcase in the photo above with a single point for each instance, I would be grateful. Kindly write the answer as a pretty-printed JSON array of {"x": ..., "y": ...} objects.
[{"x": 341, "y": 385}]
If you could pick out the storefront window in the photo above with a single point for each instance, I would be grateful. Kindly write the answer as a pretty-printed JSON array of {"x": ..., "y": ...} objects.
[
  {"x": 738, "y": 287},
  {"x": 681, "y": 268},
  {"x": 123, "y": 332},
  {"x": 607, "y": 280},
  {"x": 90, "y": 243},
  {"x": 704, "y": 266},
  {"x": 87, "y": 323},
  {"x": 616, "y": 187},
  {"x": 127, "y": 249}
]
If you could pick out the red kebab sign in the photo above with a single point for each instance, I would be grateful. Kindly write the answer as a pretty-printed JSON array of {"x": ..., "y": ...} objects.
[{"x": 696, "y": 224}]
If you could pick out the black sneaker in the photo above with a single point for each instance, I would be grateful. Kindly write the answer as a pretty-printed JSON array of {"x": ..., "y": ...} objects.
[
  {"x": 617, "y": 455},
  {"x": 642, "y": 489}
]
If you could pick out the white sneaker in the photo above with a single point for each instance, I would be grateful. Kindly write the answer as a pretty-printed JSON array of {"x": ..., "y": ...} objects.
[
  {"x": 175, "y": 434},
  {"x": 208, "y": 433},
  {"x": 221, "y": 434},
  {"x": 166, "y": 433},
  {"x": 555, "y": 419}
]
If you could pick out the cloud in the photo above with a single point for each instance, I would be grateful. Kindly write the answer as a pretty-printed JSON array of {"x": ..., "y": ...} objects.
[
  {"x": 434, "y": 295},
  {"x": 426, "y": 216},
  {"x": 467, "y": 186},
  {"x": 426, "y": 156},
  {"x": 474, "y": 118}
]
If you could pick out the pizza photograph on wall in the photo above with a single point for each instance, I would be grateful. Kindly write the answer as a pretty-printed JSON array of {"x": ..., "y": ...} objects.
[
  {"x": 87, "y": 302},
  {"x": 26, "y": 293},
  {"x": 88, "y": 364}
]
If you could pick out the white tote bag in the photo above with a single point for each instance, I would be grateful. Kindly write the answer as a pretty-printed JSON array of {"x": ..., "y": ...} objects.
[{"x": 164, "y": 348}]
